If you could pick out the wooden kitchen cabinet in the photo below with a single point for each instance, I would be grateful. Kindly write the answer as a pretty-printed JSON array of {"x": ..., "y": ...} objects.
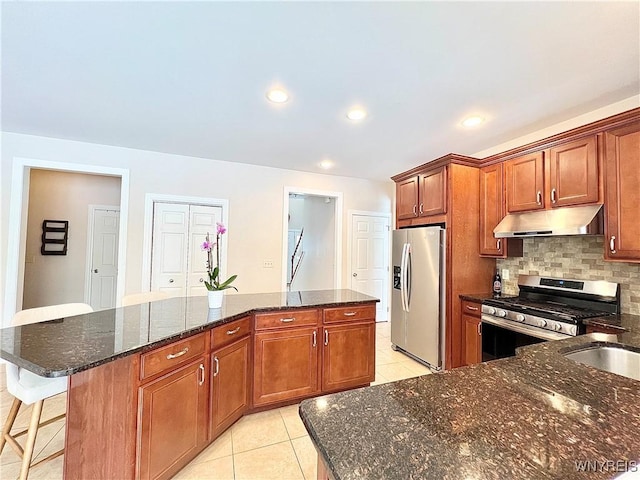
[
  {"x": 407, "y": 199},
  {"x": 285, "y": 365},
  {"x": 472, "y": 328},
  {"x": 573, "y": 173},
  {"x": 524, "y": 183},
  {"x": 172, "y": 420},
  {"x": 348, "y": 355},
  {"x": 622, "y": 193},
  {"x": 423, "y": 195},
  {"x": 230, "y": 385},
  {"x": 491, "y": 212}
]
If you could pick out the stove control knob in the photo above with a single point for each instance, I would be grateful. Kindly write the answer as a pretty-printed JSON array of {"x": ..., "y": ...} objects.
[
  {"x": 490, "y": 310},
  {"x": 501, "y": 313},
  {"x": 556, "y": 326},
  {"x": 520, "y": 317},
  {"x": 542, "y": 323}
]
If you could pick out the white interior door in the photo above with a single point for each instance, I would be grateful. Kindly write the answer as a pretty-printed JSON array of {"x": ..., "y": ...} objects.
[
  {"x": 104, "y": 258},
  {"x": 370, "y": 260},
  {"x": 170, "y": 248},
  {"x": 202, "y": 221}
]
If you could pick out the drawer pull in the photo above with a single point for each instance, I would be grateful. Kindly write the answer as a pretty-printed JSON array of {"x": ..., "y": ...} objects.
[
  {"x": 171, "y": 356},
  {"x": 201, "y": 381},
  {"x": 349, "y": 314},
  {"x": 475, "y": 309},
  {"x": 287, "y": 320},
  {"x": 235, "y": 330},
  {"x": 217, "y": 362}
]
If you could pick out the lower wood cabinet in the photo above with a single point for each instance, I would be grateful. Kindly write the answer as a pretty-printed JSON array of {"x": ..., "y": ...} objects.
[
  {"x": 172, "y": 423},
  {"x": 471, "y": 332},
  {"x": 230, "y": 385},
  {"x": 285, "y": 365},
  {"x": 348, "y": 355}
]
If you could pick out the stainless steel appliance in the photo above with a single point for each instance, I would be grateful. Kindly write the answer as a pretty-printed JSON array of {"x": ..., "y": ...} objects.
[
  {"x": 545, "y": 309},
  {"x": 417, "y": 299}
]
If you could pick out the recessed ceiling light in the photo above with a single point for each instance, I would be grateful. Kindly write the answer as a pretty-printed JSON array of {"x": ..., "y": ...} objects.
[
  {"x": 277, "y": 95},
  {"x": 356, "y": 113},
  {"x": 472, "y": 121},
  {"x": 326, "y": 164}
]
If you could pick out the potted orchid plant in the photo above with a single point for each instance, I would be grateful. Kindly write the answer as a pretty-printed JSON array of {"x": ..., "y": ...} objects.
[{"x": 214, "y": 286}]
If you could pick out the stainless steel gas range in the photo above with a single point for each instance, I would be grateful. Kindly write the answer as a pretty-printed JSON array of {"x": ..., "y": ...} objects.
[{"x": 545, "y": 309}]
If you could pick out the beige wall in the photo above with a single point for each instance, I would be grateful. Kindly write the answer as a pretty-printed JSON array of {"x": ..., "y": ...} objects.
[
  {"x": 255, "y": 194},
  {"x": 52, "y": 279}
]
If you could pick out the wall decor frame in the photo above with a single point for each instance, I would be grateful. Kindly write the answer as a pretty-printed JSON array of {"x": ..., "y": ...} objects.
[{"x": 55, "y": 234}]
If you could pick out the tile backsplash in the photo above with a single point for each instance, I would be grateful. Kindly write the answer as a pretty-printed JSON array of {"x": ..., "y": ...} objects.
[{"x": 579, "y": 257}]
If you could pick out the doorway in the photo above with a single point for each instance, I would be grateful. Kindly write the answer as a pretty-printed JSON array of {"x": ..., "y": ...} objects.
[
  {"x": 369, "y": 257},
  {"x": 18, "y": 208},
  {"x": 312, "y": 237}
]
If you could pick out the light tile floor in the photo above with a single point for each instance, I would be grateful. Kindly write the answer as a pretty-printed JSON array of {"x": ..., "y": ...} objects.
[{"x": 262, "y": 446}]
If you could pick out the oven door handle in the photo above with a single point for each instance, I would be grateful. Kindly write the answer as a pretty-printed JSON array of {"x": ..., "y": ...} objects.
[{"x": 520, "y": 328}]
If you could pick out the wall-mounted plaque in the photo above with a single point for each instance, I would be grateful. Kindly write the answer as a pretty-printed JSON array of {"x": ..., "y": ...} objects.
[{"x": 54, "y": 237}]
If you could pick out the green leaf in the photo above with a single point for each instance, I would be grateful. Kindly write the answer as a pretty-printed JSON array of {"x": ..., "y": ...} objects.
[{"x": 227, "y": 282}]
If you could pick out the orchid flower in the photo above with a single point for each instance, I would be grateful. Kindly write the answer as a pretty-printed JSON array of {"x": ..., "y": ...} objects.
[{"x": 214, "y": 272}]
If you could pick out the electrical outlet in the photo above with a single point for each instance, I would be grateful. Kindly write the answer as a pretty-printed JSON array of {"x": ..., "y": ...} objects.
[
  {"x": 267, "y": 264},
  {"x": 505, "y": 274}
]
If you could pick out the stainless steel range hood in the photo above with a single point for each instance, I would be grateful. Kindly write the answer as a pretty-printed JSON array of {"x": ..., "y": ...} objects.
[{"x": 586, "y": 220}]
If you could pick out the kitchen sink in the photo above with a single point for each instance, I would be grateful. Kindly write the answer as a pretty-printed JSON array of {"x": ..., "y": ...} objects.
[{"x": 610, "y": 358}]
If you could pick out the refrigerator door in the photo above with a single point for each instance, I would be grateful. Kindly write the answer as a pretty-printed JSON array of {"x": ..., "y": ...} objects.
[
  {"x": 398, "y": 304},
  {"x": 423, "y": 319}
]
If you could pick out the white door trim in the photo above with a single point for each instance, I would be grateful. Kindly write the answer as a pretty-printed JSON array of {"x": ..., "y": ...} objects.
[
  {"x": 17, "y": 234},
  {"x": 338, "y": 230},
  {"x": 350, "y": 215},
  {"x": 87, "y": 274},
  {"x": 149, "y": 200}
]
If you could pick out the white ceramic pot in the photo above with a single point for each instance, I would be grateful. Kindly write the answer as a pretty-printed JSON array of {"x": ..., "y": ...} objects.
[{"x": 215, "y": 298}]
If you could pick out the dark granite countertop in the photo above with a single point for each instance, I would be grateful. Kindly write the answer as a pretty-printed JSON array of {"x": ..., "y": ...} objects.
[
  {"x": 622, "y": 321},
  {"x": 480, "y": 297},
  {"x": 62, "y": 347},
  {"x": 532, "y": 416}
]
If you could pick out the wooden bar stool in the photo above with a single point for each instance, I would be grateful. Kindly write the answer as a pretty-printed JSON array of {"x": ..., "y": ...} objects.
[{"x": 29, "y": 388}]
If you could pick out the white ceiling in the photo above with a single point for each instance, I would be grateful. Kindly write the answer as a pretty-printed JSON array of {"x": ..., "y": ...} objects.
[{"x": 190, "y": 77}]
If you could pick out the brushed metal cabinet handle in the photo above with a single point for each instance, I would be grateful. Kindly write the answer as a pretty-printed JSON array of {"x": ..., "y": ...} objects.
[
  {"x": 415, "y": 210},
  {"x": 612, "y": 244},
  {"x": 171, "y": 356},
  {"x": 315, "y": 336},
  {"x": 326, "y": 337},
  {"x": 217, "y": 370},
  {"x": 287, "y": 320},
  {"x": 349, "y": 314},
  {"x": 539, "y": 197},
  {"x": 235, "y": 330},
  {"x": 499, "y": 243},
  {"x": 421, "y": 208},
  {"x": 479, "y": 328},
  {"x": 553, "y": 195},
  {"x": 475, "y": 309},
  {"x": 201, "y": 381}
]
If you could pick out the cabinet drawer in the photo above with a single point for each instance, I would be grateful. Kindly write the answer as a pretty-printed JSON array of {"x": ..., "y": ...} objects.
[
  {"x": 348, "y": 314},
  {"x": 172, "y": 355},
  {"x": 230, "y": 332},
  {"x": 471, "y": 308},
  {"x": 291, "y": 318}
]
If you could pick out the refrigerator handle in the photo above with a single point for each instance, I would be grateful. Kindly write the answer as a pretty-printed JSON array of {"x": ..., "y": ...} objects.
[
  {"x": 403, "y": 277},
  {"x": 408, "y": 294}
]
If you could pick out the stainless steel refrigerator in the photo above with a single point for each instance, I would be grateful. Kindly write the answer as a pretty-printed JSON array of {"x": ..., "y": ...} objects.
[{"x": 418, "y": 298}]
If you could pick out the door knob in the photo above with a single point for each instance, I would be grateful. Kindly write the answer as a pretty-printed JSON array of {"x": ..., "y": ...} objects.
[
  {"x": 171, "y": 280},
  {"x": 355, "y": 274},
  {"x": 201, "y": 280},
  {"x": 95, "y": 271}
]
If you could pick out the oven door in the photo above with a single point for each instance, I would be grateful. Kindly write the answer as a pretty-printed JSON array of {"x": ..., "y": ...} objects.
[{"x": 501, "y": 337}]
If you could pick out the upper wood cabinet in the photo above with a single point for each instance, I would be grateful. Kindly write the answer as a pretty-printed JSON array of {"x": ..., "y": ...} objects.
[
  {"x": 573, "y": 173},
  {"x": 563, "y": 175},
  {"x": 622, "y": 193},
  {"x": 524, "y": 183},
  {"x": 422, "y": 195}
]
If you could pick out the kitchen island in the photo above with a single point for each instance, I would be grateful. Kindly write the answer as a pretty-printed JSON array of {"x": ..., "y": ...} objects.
[
  {"x": 538, "y": 415},
  {"x": 151, "y": 385}
]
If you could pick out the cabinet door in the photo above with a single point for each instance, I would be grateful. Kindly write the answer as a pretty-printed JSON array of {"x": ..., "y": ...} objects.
[
  {"x": 407, "y": 199},
  {"x": 491, "y": 209},
  {"x": 472, "y": 328},
  {"x": 524, "y": 183},
  {"x": 573, "y": 170},
  {"x": 285, "y": 365},
  {"x": 433, "y": 192},
  {"x": 348, "y": 356},
  {"x": 172, "y": 420},
  {"x": 230, "y": 385},
  {"x": 622, "y": 184}
]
